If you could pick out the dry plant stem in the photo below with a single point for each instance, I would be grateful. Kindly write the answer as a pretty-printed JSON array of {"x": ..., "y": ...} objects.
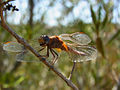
[
  {"x": 23, "y": 42},
  {"x": 70, "y": 76}
]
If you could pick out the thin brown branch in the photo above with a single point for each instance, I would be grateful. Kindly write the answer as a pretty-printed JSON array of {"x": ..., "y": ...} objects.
[
  {"x": 23, "y": 42},
  {"x": 70, "y": 76}
]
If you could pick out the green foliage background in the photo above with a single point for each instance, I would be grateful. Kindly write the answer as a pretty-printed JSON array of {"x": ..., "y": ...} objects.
[{"x": 100, "y": 74}]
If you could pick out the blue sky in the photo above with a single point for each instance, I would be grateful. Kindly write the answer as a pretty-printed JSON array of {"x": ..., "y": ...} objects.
[{"x": 81, "y": 11}]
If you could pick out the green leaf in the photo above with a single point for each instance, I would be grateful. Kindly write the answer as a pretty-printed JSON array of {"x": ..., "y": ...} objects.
[
  {"x": 100, "y": 47},
  {"x": 105, "y": 20},
  {"x": 19, "y": 80},
  {"x": 93, "y": 15},
  {"x": 99, "y": 13},
  {"x": 114, "y": 37}
]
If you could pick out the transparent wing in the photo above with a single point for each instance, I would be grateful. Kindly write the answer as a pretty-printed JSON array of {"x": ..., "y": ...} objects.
[
  {"x": 22, "y": 54},
  {"x": 86, "y": 53},
  {"x": 35, "y": 44},
  {"x": 26, "y": 57},
  {"x": 78, "y": 38},
  {"x": 13, "y": 47}
]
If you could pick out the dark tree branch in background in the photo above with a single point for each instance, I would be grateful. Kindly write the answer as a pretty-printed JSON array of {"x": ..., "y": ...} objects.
[
  {"x": 31, "y": 8},
  {"x": 23, "y": 42}
]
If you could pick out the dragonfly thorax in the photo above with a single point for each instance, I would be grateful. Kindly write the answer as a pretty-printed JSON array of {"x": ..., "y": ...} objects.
[{"x": 43, "y": 40}]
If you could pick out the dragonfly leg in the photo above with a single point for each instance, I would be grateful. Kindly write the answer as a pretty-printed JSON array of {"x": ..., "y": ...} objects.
[
  {"x": 41, "y": 49},
  {"x": 70, "y": 76},
  {"x": 46, "y": 56},
  {"x": 55, "y": 58},
  {"x": 55, "y": 54},
  {"x": 47, "y": 51}
]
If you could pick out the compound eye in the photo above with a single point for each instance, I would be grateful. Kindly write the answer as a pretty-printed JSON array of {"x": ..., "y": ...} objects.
[
  {"x": 46, "y": 39},
  {"x": 43, "y": 40}
]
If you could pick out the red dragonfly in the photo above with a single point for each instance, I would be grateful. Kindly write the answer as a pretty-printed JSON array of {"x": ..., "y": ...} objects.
[{"x": 79, "y": 49}]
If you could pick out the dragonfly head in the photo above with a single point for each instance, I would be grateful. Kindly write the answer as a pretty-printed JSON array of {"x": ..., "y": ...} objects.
[{"x": 43, "y": 40}]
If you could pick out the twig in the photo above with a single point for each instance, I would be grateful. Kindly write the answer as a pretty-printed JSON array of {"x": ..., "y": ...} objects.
[
  {"x": 23, "y": 42},
  {"x": 70, "y": 76}
]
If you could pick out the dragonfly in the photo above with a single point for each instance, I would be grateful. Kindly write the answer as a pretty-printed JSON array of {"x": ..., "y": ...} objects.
[{"x": 78, "y": 48}]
